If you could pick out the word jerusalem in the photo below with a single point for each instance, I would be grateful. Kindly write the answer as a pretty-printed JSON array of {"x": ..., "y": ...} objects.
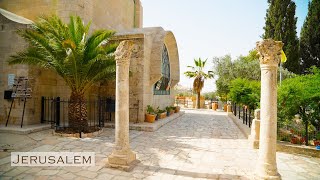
[{"x": 52, "y": 159}]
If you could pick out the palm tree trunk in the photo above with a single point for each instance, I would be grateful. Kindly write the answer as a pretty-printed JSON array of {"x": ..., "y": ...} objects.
[
  {"x": 198, "y": 100},
  {"x": 78, "y": 119}
]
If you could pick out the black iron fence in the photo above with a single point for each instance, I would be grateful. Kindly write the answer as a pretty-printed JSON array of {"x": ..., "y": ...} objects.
[
  {"x": 296, "y": 133},
  {"x": 55, "y": 111},
  {"x": 243, "y": 113}
]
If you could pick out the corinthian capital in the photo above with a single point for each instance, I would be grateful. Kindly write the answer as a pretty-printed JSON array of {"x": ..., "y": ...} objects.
[
  {"x": 123, "y": 52},
  {"x": 269, "y": 51}
]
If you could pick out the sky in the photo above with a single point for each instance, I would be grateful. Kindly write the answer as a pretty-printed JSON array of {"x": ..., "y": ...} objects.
[{"x": 211, "y": 28}]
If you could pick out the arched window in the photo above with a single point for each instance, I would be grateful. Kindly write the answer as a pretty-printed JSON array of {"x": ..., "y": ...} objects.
[{"x": 162, "y": 87}]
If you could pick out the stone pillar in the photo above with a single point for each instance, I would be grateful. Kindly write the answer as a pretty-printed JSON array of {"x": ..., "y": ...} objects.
[
  {"x": 269, "y": 51},
  {"x": 255, "y": 130},
  {"x": 229, "y": 108},
  {"x": 122, "y": 157}
]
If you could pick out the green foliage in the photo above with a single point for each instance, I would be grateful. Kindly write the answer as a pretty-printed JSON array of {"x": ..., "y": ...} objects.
[
  {"x": 245, "y": 67},
  {"x": 310, "y": 37},
  {"x": 226, "y": 70},
  {"x": 246, "y": 92},
  {"x": 280, "y": 25},
  {"x": 300, "y": 95},
  {"x": 66, "y": 48},
  {"x": 168, "y": 108},
  {"x": 198, "y": 73},
  {"x": 150, "y": 110},
  {"x": 159, "y": 111}
]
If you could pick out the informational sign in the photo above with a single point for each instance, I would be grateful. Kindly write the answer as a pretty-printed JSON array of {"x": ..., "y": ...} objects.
[
  {"x": 11, "y": 80},
  {"x": 22, "y": 88}
]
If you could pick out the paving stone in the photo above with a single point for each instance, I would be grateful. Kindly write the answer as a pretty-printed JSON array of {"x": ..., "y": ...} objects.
[
  {"x": 47, "y": 172},
  {"x": 201, "y": 144},
  {"x": 87, "y": 174}
]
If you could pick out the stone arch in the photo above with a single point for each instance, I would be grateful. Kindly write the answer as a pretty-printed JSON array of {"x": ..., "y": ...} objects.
[
  {"x": 164, "y": 37},
  {"x": 171, "y": 44}
]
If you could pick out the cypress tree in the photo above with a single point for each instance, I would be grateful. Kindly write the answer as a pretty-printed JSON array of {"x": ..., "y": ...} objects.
[
  {"x": 281, "y": 26},
  {"x": 310, "y": 37}
]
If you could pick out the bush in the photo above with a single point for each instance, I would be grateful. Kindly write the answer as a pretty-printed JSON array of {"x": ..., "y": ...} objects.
[
  {"x": 246, "y": 92},
  {"x": 300, "y": 95}
]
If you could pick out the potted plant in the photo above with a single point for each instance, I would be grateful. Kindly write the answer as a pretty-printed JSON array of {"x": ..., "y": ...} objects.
[
  {"x": 168, "y": 109},
  {"x": 161, "y": 113},
  {"x": 150, "y": 115},
  {"x": 172, "y": 110},
  {"x": 177, "y": 109}
]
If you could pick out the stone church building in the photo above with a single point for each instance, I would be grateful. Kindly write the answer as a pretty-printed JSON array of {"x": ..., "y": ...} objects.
[{"x": 154, "y": 64}]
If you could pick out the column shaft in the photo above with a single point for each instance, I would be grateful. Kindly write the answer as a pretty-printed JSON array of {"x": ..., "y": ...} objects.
[{"x": 269, "y": 51}]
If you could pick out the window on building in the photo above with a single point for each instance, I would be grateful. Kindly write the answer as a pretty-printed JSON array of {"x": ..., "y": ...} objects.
[{"x": 162, "y": 87}]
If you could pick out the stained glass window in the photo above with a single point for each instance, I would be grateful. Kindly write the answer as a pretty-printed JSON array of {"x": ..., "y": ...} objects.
[{"x": 162, "y": 87}]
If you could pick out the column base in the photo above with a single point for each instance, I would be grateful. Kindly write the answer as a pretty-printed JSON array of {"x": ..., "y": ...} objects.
[
  {"x": 265, "y": 177},
  {"x": 267, "y": 173},
  {"x": 124, "y": 160},
  {"x": 253, "y": 143}
]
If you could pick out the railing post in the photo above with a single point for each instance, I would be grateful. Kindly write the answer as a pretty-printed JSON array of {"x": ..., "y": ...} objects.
[
  {"x": 239, "y": 112},
  {"x": 246, "y": 115},
  {"x": 42, "y": 109},
  {"x": 57, "y": 111},
  {"x": 249, "y": 118},
  {"x": 243, "y": 111}
]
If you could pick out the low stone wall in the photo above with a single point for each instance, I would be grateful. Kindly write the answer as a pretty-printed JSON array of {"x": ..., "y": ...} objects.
[{"x": 77, "y": 135}]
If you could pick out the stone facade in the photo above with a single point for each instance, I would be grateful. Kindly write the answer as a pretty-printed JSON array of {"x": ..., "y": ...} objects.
[
  {"x": 123, "y": 16},
  {"x": 112, "y": 14},
  {"x": 145, "y": 68}
]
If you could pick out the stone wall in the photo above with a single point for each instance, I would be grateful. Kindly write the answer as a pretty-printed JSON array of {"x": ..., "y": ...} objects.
[
  {"x": 114, "y": 14},
  {"x": 110, "y": 14},
  {"x": 8, "y": 36}
]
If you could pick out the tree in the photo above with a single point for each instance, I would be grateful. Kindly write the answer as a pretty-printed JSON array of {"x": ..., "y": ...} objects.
[
  {"x": 281, "y": 26},
  {"x": 199, "y": 76},
  {"x": 223, "y": 69},
  {"x": 66, "y": 49},
  {"x": 310, "y": 37},
  {"x": 300, "y": 95}
]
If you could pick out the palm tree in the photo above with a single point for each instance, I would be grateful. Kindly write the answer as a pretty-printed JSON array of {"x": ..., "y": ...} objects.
[
  {"x": 199, "y": 76},
  {"x": 66, "y": 49}
]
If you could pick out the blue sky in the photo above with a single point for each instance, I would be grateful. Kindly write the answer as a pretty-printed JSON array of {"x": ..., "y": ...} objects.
[{"x": 209, "y": 28}]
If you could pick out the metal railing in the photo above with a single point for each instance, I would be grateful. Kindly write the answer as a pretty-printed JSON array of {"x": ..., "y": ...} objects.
[
  {"x": 55, "y": 111},
  {"x": 243, "y": 113}
]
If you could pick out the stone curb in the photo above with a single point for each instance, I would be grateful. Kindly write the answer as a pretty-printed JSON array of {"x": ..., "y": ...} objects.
[{"x": 246, "y": 131}]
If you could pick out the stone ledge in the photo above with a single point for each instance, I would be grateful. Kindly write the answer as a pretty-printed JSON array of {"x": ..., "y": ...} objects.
[
  {"x": 77, "y": 135},
  {"x": 26, "y": 129},
  {"x": 150, "y": 127},
  {"x": 246, "y": 131},
  {"x": 297, "y": 149}
]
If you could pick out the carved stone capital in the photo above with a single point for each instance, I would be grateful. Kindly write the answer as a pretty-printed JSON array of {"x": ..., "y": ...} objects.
[
  {"x": 269, "y": 51},
  {"x": 123, "y": 52}
]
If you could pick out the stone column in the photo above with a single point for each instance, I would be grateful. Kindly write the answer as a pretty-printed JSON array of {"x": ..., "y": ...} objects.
[
  {"x": 122, "y": 156},
  {"x": 255, "y": 130},
  {"x": 229, "y": 108},
  {"x": 270, "y": 52}
]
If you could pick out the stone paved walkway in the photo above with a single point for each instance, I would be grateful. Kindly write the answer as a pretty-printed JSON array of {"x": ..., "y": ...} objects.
[{"x": 201, "y": 144}]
